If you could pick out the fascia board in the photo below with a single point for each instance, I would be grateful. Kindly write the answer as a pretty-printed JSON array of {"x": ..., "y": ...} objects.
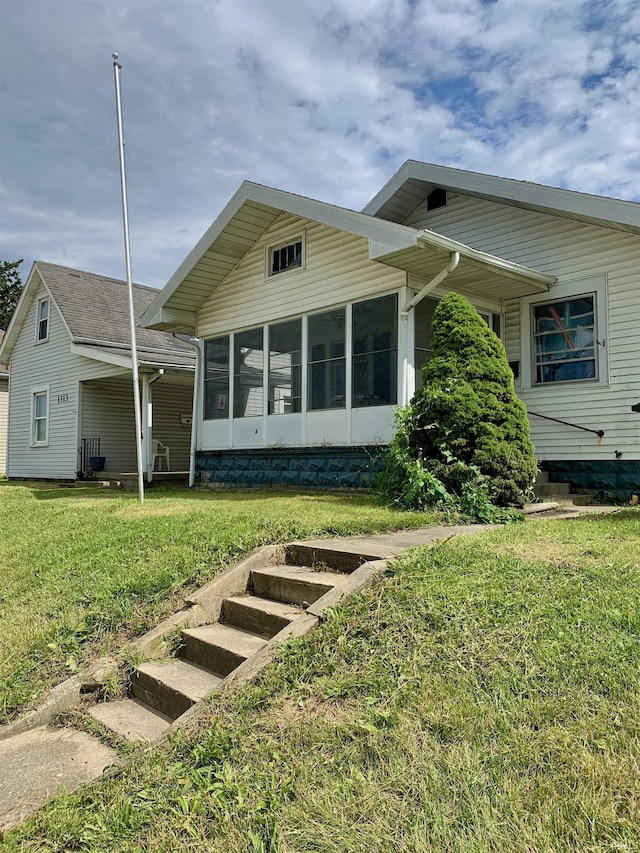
[{"x": 100, "y": 355}]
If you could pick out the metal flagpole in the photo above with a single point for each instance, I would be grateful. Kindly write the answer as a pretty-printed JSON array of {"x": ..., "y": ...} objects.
[{"x": 132, "y": 320}]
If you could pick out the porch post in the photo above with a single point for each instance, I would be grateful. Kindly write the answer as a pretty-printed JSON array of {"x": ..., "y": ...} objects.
[{"x": 147, "y": 419}]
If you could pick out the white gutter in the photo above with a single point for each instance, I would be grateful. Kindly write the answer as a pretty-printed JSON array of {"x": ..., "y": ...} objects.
[
  {"x": 435, "y": 281},
  {"x": 195, "y": 407}
]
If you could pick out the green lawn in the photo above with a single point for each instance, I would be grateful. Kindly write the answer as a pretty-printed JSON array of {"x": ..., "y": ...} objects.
[
  {"x": 83, "y": 570},
  {"x": 483, "y": 696}
]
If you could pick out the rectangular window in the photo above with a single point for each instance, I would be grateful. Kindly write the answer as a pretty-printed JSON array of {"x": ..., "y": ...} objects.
[
  {"x": 42, "y": 329},
  {"x": 216, "y": 378},
  {"x": 564, "y": 339},
  {"x": 327, "y": 363},
  {"x": 40, "y": 416},
  {"x": 287, "y": 257},
  {"x": 248, "y": 373},
  {"x": 375, "y": 352},
  {"x": 285, "y": 368},
  {"x": 423, "y": 334}
]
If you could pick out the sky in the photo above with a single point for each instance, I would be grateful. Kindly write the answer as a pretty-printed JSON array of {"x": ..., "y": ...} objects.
[{"x": 325, "y": 98}]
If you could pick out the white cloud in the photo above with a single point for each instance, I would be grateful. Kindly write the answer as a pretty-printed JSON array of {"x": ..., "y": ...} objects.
[{"x": 325, "y": 99}]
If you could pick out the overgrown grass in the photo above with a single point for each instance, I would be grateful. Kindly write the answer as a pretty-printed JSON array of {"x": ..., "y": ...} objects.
[
  {"x": 483, "y": 696},
  {"x": 83, "y": 571}
]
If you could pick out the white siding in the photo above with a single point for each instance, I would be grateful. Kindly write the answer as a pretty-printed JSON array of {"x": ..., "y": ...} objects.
[
  {"x": 571, "y": 251},
  {"x": 337, "y": 270},
  {"x": 52, "y": 363},
  {"x": 4, "y": 417}
]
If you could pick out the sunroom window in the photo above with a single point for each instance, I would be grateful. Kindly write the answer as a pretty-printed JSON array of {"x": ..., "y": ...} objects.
[
  {"x": 375, "y": 352},
  {"x": 564, "y": 339},
  {"x": 327, "y": 362},
  {"x": 216, "y": 378},
  {"x": 248, "y": 373},
  {"x": 285, "y": 367}
]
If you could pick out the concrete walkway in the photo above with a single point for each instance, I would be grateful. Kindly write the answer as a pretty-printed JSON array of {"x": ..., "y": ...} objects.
[{"x": 38, "y": 763}]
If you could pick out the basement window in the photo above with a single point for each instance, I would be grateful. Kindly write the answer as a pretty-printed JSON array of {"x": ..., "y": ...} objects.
[{"x": 284, "y": 257}]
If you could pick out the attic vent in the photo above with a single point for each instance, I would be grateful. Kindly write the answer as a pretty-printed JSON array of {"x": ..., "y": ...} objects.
[{"x": 436, "y": 198}]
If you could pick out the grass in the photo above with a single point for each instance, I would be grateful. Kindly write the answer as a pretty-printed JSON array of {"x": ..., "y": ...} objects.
[
  {"x": 84, "y": 571},
  {"x": 483, "y": 696}
]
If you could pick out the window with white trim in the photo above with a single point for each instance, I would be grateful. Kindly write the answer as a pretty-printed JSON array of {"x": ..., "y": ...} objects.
[
  {"x": 42, "y": 322},
  {"x": 285, "y": 367},
  {"x": 375, "y": 352},
  {"x": 216, "y": 378},
  {"x": 564, "y": 339},
  {"x": 40, "y": 416},
  {"x": 285, "y": 256},
  {"x": 326, "y": 360}
]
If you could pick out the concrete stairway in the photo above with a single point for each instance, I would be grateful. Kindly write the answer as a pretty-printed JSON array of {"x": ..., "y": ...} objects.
[
  {"x": 228, "y": 631},
  {"x": 544, "y": 489}
]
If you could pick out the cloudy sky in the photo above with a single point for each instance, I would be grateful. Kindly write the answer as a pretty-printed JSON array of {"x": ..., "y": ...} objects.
[{"x": 326, "y": 98}]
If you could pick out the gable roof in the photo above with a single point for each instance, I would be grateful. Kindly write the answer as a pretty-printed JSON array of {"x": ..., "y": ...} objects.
[
  {"x": 254, "y": 208},
  {"x": 95, "y": 311},
  {"x": 415, "y": 180}
]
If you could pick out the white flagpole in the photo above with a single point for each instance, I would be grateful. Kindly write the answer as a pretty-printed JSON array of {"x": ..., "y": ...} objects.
[{"x": 132, "y": 320}]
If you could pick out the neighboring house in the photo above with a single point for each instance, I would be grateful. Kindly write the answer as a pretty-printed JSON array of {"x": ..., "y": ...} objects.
[
  {"x": 4, "y": 412},
  {"x": 314, "y": 321},
  {"x": 69, "y": 356}
]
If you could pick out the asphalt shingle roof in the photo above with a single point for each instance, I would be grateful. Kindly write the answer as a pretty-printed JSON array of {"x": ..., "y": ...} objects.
[{"x": 96, "y": 308}]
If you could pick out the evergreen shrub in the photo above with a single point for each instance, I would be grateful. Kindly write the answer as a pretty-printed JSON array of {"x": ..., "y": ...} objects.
[{"x": 465, "y": 427}]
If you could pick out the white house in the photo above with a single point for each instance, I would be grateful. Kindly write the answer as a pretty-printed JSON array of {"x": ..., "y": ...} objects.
[
  {"x": 314, "y": 322},
  {"x": 4, "y": 412},
  {"x": 70, "y": 389}
]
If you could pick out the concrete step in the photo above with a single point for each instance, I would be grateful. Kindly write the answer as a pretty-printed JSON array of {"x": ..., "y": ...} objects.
[
  {"x": 219, "y": 648},
  {"x": 131, "y": 719},
  {"x": 544, "y": 490},
  {"x": 173, "y": 687},
  {"x": 294, "y": 584},
  {"x": 543, "y": 477},
  {"x": 260, "y": 616}
]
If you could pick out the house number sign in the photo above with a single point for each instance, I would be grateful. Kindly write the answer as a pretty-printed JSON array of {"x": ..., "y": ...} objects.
[{"x": 63, "y": 398}]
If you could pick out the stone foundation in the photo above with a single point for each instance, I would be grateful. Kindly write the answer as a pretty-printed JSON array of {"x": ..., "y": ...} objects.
[
  {"x": 308, "y": 468},
  {"x": 616, "y": 477}
]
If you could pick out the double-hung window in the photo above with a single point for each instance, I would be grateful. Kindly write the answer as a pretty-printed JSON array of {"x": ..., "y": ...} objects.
[
  {"x": 42, "y": 323},
  {"x": 564, "y": 339},
  {"x": 40, "y": 416}
]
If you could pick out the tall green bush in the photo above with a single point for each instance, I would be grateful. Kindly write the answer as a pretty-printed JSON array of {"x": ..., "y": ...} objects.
[{"x": 465, "y": 426}]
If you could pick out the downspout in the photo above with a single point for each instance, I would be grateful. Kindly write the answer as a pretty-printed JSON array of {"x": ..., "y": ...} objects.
[
  {"x": 195, "y": 407},
  {"x": 454, "y": 260}
]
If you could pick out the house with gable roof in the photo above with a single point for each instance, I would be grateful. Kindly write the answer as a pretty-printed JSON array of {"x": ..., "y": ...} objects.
[
  {"x": 4, "y": 412},
  {"x": 70, "y": 396},
  {"x": 314, "y": 322}
]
